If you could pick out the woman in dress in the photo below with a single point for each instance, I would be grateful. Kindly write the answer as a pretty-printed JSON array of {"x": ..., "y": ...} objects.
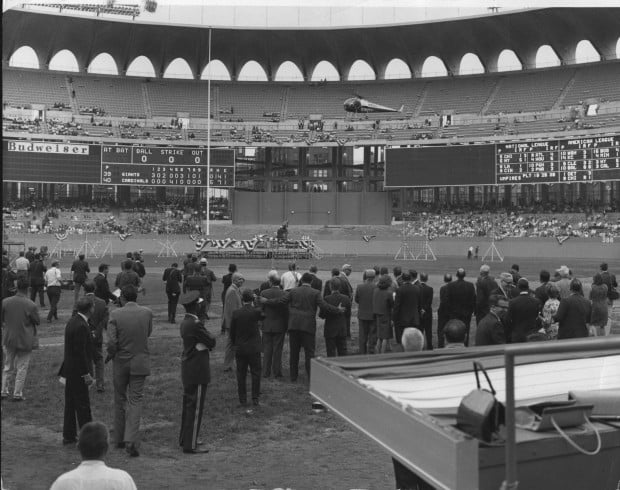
[
  {"x": 382, "y": 303},
  {"x": 550, "y": 308},
  {"x": 598, "y": 297}
]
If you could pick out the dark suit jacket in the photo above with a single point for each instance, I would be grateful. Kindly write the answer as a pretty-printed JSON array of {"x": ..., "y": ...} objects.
[
  {"x": 316, "y": 283},
  {"x": 276, "y": 315},
  {"x": 490, "y": 330},
  {"x": 173, "y": 280},
  {"x": 129, "y": 329},
  {"x": 426, "y": 299},
  {"x": 485, "y": 285},
  {"x": 573, "y": 314},
  {"x": 102, "y": 288},
  {"x": 443, "y": 300},
  {"x": 195, "y": 368},
  {"x": 78, "y": 359},
  {"x": 303, "y": 302},
  {"x": 80, "y": 271},
  {"x": 461, "y": 299},
  {"x": 406, "y": 312},
  {"x": 126, "y": 278},
  {"x": 98, "y": 319},
  {"x": 363, "y": 297},
  {"x": 244, "y": 330},
  {"x": 336, "y": 323},
  {"x": 541, "y": 294},
  {"x": 346, "y": 288},
  {"x": 37, "y": 273},
  {"x": 520, "y": 320}
]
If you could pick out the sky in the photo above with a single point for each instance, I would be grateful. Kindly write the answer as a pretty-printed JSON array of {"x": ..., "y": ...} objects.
[{"x": 308, "y": 14}]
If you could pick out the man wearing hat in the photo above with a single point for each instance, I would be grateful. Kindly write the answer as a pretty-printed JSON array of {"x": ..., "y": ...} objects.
[
  {"x": 201, "y": 283},
  {"x": 195, "y": 371},
  {"x": 207, "y": 291},
  {"x": 520, "y": 320},
  {"x": 443, "y": 310}
]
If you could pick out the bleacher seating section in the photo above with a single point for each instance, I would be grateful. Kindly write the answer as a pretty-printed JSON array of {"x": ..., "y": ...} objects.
[
  {"x": 508, "y": 93},
  {"x": 23, "y": 87}
]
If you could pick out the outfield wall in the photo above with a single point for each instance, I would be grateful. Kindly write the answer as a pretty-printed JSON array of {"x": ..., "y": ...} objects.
[{"x": 510, "y": 247}]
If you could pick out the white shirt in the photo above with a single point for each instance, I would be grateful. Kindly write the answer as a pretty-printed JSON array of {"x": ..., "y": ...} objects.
[
  {"x": 290, "y": 280},
  {"x": 22, "y": 264},
  {"x": 52, "y": 277},
  {"x": 94, "y": 475}
]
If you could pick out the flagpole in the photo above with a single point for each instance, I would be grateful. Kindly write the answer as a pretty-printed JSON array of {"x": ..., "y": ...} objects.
[{"x": 209, "y": 136}]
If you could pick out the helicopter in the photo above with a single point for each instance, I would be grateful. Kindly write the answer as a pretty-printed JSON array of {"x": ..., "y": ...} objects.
[{"x": 359, "y": 104}]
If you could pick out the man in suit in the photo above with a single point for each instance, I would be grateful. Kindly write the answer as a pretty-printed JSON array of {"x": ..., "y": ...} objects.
[
  {"x": 443, "y": 310},
  {"x": 129, "y": 329},
  {"x": 542, "y": 292},
  {"x": 366, "y": 321},
  {"x": 426, "y": 310},
  {"x": 195, "y": 371},
  {"x": 520, "y": 320},
  {"x": 347, "y": 289},
  {"x": 127, "y": 277},
  {"x": 246, "y": 341},
  {"x": 462, "y": 300},
  {"x": 303, "y": 302},
  {"x": 335, "y": 327},
  {"x": 77, "y": 369},
  {"x": 316, "y": 282},
  {"x": 102, "y": 287},
  {"x": 573, "y": 313},
  {"x": 98, "y": 323},
  {"x": 80, "y": 271},
  {"x": 327, "y": 289},
  {"x": 274, "y": 330},
  {"x": 206, "y": 292},
  {"x": 20, "y": 319},
  {"x": 490, "y": 330},
  {"x": 406, "y": 312},
  {"x": 232, "y": 302},
  {"x": 485, "y": 285},
  {"x": 173, "y": 279},
  {"x": 37, "y": 280}
]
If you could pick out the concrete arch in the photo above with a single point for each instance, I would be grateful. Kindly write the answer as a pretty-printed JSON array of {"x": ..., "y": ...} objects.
[
  {"x": 585, "y": 52},
  {"x": 434, "y": 67},
  {"x": 104, "y": 64},
  {"x": 178, "y": 68},
  {"x": 247, "y": 70},
  {"x": 546, "y": 57},
  {"x": 361, "y": 70},
  {"x": 508, "y": 61},
  {"x": 64, "y": 60},
  {"x": 217, "y": 69},
  {"x": 25, "y": 57},
  {"x": 470, "y": 64},
  {"x": 141, "y": 66},
  {"x": 324, "y": 70},
  {"x": 396, "y": 69},
  {"x": 288, "y": 72}
]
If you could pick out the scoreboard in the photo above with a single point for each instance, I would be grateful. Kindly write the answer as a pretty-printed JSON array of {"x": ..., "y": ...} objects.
[
  {"x": 589, "y": 159},
  {"x": 83, "y": 163},
  {"x": 567, "y": 160},
  {"x": 166, "y": 166}
]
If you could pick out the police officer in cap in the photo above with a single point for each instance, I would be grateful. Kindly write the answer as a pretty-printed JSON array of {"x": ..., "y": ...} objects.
[{"x": 195, "y": 371}]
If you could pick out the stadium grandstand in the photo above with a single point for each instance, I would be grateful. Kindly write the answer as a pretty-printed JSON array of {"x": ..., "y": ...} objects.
[{"x": 298, "y": 155}]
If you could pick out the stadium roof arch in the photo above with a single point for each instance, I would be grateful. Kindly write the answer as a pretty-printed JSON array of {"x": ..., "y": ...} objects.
[{"x": 486, "y": 36}]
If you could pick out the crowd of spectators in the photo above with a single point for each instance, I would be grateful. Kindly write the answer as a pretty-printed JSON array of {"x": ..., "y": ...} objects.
[
  {"x": 21, "y": 124},
  {"x": 94, "y": 110}
]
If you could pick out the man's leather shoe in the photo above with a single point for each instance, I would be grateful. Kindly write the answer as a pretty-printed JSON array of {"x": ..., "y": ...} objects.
[
  {"x": 132, "y": 450},
  {"x": 196, "y": 451}
]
